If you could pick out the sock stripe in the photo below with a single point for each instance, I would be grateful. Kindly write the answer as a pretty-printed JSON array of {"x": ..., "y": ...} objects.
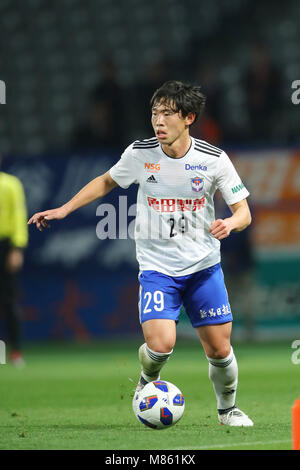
[
  {"x": 221, "y": 364},
  {"x": 157, "y": 357},
  {"x": 223, "y": 412}
]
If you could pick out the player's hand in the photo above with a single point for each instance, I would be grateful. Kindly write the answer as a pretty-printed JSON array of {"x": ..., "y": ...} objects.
[
  {"x": 15, "y": 259},
  {"x": 220, "y": 228},
  {"x": 40, "y": 219}
]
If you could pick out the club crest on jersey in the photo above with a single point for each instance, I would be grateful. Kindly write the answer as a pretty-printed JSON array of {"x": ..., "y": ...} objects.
[{"x": 197, "y": 184}]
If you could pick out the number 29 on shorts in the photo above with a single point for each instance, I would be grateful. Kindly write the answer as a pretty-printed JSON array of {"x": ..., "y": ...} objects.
[{"x": 152, "y": 301}]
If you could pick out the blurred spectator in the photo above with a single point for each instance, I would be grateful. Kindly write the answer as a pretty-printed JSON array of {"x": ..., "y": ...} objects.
[
  {"x": 104, "y": 127},
  {"x": 262, "y": 87},
  {"x": 13, "y": 239},
  {"x": 98, "y": 131},
  {"x": 208, "y": 127},
  {"x": 109, "y": 90},
  {"x": 156, "y": 74}
]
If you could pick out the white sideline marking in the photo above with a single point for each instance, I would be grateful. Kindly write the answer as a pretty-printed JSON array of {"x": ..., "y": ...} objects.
[{"x": 234, "y": 444}]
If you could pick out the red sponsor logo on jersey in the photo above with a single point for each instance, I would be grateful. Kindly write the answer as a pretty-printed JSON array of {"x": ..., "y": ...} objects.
[
  {"x": 175, "y": 204},
  {"x": 153, "y": 167}
]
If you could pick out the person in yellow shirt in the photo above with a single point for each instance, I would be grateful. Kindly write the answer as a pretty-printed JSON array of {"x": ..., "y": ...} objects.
[{"x": 13, "y": 240}]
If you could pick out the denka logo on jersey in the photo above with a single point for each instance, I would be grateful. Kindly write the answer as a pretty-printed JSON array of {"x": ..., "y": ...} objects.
[
  {"x": 195, "y": 167},
  {"x": 173, "y": 205},
  {"x": 153, "y": 167}
]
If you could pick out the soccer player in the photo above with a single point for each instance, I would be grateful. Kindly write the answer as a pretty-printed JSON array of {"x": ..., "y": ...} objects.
[
  {"x": 178, "y": 238},
  {"x": 13, "y": 240}
]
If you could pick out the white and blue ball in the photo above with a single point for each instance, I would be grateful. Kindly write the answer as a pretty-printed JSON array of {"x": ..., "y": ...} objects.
[{"x": 159, "y": 405}]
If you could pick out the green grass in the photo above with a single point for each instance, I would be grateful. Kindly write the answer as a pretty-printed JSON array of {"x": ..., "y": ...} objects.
[{"x": 79, "y": 397}]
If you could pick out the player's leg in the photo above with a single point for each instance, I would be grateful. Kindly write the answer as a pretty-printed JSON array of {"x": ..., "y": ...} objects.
[
  {"x": 160, "y": 338},
  {"x": 215, "y": 339},
  {"x": 12, "y": 313},
  {"x": 223, "y": 372},
  {"x": 9, "y": 306},
  {"x": 223, "y": 369},
  {"x": 208, "y": 307},
  {"x": 159, "y": 309},
  {"x": 160, "y": 334}
]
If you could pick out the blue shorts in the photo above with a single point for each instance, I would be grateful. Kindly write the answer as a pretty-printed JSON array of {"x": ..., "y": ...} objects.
[{"x": 203, "y": 295}]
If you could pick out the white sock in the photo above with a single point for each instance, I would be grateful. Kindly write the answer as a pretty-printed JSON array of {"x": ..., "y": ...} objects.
[
  {"x": 152, "y": 362},
  {"x": 224, "y": 375}
]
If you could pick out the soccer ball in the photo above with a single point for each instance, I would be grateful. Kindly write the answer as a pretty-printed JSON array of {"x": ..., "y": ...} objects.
[{"x": 159, "y": 405}]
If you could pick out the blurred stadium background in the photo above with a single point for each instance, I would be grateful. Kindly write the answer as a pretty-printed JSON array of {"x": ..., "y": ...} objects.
[{"x": 79, "y": 75}]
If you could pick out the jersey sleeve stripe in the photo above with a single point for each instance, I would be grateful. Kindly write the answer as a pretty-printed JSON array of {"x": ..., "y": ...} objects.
[
  {"x": 200, "y": 149},
  {"x": 144, "y": 144},
  {"x": 146, "y": 141},
  {"x": 138, "y": 146},
  {"x": 208, "y": 146}
]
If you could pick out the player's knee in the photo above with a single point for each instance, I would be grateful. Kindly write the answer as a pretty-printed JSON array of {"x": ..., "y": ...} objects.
[
  {"x": 161, "y": 345},
  {"x": 219, "y": 351},
  {"x": 160, "y": 336}
]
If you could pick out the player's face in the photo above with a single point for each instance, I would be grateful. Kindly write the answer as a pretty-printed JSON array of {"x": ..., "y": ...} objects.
[{"x": 168, "y": 124}]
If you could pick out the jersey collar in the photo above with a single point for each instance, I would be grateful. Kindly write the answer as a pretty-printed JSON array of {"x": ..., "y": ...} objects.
[{"x": 183, "y": 156}]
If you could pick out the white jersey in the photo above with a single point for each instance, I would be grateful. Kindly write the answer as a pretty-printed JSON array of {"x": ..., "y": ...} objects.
[{"x": 175, "y": 205}]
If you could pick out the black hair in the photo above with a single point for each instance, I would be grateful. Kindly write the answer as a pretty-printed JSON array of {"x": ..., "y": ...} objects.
[{"x": 180, "y": 96}]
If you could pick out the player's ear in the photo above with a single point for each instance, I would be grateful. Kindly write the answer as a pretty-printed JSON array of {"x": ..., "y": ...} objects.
[{"x": 190, "y": 118}]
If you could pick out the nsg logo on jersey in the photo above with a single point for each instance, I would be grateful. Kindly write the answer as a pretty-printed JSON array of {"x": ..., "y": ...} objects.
[
  {"x": 152, "y": 167},
  {"x": 197, "y": 184}
]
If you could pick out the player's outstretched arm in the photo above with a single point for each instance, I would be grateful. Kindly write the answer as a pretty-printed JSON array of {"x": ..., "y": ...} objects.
[
  {"x": 95, "y": 189},
  {"x": 240, "y": 219}
]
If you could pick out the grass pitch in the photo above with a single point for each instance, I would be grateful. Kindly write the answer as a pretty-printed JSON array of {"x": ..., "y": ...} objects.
[{"x": 79, "y": 397}]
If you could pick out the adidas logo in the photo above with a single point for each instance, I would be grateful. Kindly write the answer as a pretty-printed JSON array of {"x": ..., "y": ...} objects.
[{"x": 151, "y": 179}]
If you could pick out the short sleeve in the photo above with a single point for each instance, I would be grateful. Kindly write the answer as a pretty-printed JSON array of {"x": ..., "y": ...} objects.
[
  {"x": 229, "y": 182},
  {"x": 124, "y": 172}
]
